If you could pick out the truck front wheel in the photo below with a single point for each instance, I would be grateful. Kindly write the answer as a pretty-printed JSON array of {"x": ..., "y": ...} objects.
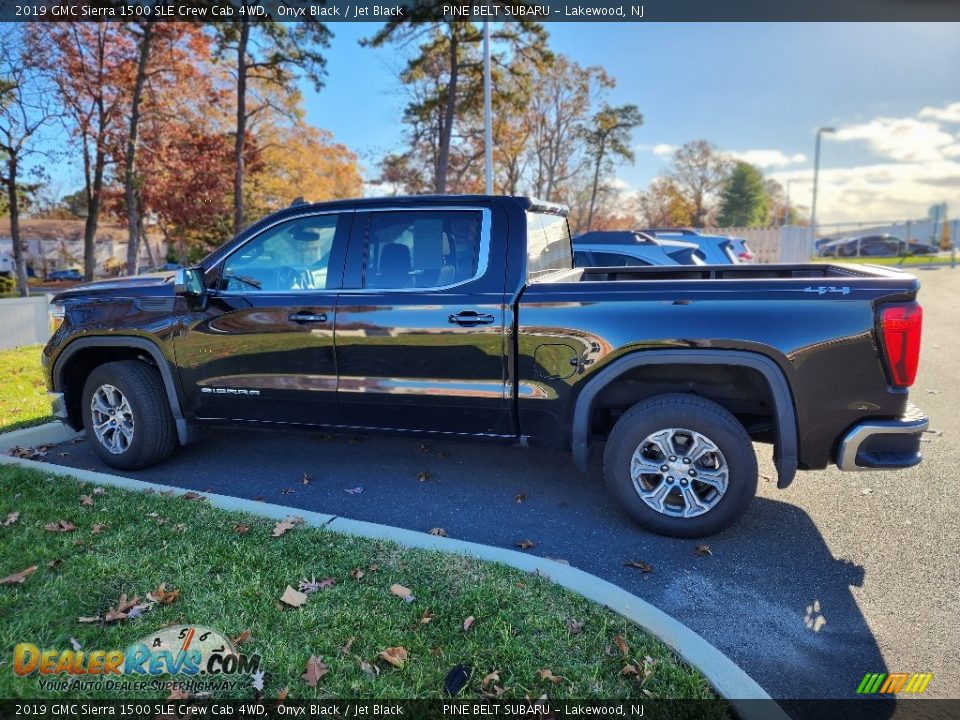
[
  {"x": 680, "y": 465},
  {"x": 126, "y": 415}
]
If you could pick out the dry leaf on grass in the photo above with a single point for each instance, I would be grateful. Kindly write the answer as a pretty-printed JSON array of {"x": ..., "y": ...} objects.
[
  {"x": 288, "y": 523},
  {"x": 55, "y": 563},
  {"x": 357, "y": 573},
  {"x": 493, "y": 677},
  {"x": 438, "y": 531},
  {"x": 293, "y": 598},
  {"x": 114, "y": 614},
  {"x": 86, "y": 500},
  {"x": 402, "y": 592},
  {"x": 316, "y": 669},
  {"x": 11, "y": 518},
  {"x": 18, "y": 577},
  {"x": 546, "y": 674},
  {"x": 282, "y": 694},
  {"x": 629, "y": 670},
  {"x": 163, "y": 596},
  {"x": 468, "y": 623},
  {"x": 525, "y": 544},
  {"x": 369, "y": 668},
  {"x": 60, "y": 526},
  {"x": 396, "y": 656},
  {"x": 98, "y": 491},
  {"x": 347, "y": 645},
  {"x": 241, "y": 638},
  {"x": 639, "y": 565},
  {"x": 313, "y": 585},
  {"x": 241, "y": 528},
  {"x": 702, "y": 550},
  {"x": 191, "y": 495},
  {"x": 426, "y": 617},
  {"x": 97, "y": 528},
  {"x": 573, "y": 626},
  {"x": 622, "y": 645}
]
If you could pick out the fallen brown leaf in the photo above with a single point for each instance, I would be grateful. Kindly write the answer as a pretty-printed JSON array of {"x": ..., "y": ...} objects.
[
  {"x": 629, "y": 670},
  {"x": 60, "y": 526},
  {"x": 639, "y": 565},
  {"x": 702, "y": 550},
  {"x": 546, "y": 674},
  {"x": 426, "y": 617},
  {"x": 98, "y": 491},
  {"x": 86, "y": 500},
  {"x": 401, "y": 592},
  {"x": 177, "y": 694},
  {"x": 622, "y": 645},
  {"x": 163, "y": 596},
  {"x": 288, "y": 523},
  {"x": 525, "y": 544},
  {"x": 573, "y": 626},
  {"x": 313, "y": 585},
  {"x": 438, "y": 531},
  {"x": 241, "y": 528},
  {"x": 369, "y": 668},
  {"x": 492, "y": 677},
  {"x": 11, "y": 518},
  {"x": 191, "y": 495},
  {"x": 55, "y": 563},
  {"x": 396, "y": 656},
  {"x": 468, "y": 623},
  {"x": 97, "y": 528},
  {"x": 423, "y": 476},
  {"x": 316, "y": 669},
  {"x": 347, "y": 645},
  {"x": 18, "y": 577},
  {"x": 293, "y": 598},
  {"x": 282, "y": 694},
  {"x": 357, "y": 574},
  {"x": 241, "y": 638}
]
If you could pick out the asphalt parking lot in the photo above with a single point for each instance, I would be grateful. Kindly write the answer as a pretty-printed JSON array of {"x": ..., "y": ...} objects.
[{"x": 839, "y": 575}]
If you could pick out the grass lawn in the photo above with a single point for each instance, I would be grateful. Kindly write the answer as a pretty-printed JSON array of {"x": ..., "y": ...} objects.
[
  {"x": 232, "y": 580},
  {"x": 23, "y": 396},
  {"x": 909, "y": 261}
]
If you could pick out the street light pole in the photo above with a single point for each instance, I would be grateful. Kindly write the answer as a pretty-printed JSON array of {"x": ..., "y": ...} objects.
[
  {"x": 786, "y": 204},
  {"x": 816, "y": 175},
  {"x": 487, "y": 102}
]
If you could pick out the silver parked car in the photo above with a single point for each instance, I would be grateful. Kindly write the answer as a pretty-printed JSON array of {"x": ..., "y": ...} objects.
[{"x": 616, "y": 248}]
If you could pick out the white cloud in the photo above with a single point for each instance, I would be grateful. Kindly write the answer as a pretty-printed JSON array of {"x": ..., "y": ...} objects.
[
  {"x": 769, "y": 158},
  {"x": 906, "y": 139},
  {"x": 660, "y": 150},
  {"x": 948, "y": 114}
]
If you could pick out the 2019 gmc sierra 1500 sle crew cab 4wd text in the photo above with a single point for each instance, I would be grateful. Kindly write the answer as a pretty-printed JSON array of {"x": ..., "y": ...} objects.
[{"x": 464, "y": 316}]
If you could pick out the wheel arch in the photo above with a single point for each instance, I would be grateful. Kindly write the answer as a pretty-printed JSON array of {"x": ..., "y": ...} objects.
[
  {"x": 81, "y": 348},
  {"x": 786, "y": 444}
]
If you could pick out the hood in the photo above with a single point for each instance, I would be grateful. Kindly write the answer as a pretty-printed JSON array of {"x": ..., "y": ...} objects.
[{"x": 131, "y": 285}]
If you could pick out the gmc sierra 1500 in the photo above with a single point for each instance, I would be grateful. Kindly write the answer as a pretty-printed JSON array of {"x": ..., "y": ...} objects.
[{"x": 464, "y": 316}]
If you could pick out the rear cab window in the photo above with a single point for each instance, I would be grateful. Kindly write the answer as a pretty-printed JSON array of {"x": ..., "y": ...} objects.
[{"x": 549, "y": 246}]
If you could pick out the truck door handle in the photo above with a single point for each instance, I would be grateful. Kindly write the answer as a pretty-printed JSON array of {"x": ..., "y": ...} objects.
[
  {"x": 469, "y": 318},
  {"x": 305, "y": 317}
]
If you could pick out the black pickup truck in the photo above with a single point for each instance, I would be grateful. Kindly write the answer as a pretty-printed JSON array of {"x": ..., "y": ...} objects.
[{"x": 463, "y": 316}]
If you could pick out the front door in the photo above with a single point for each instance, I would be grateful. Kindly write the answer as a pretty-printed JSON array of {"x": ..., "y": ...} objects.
[
  {"x": 262, "y": 347},
  {"x": 420, "y": 337}
]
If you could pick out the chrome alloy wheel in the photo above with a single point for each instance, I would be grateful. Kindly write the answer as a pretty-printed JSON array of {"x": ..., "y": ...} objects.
[
  {"x": 112, "y": 419},
  {"x": 679, "y": 472}
]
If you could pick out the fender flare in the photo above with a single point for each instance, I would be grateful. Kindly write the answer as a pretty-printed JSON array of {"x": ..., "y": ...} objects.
[
  {"x": 186, "y": 432},
  {"x": 786, "y": 446}
]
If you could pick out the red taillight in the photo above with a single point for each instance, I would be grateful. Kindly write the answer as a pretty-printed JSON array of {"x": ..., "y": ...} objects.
[
  {"x": 900, "y": 325},
  {"x": 746, "y": 256}
]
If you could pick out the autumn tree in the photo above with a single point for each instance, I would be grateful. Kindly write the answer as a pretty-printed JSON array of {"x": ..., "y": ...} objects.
[
  {"x": 267, "y": 54},
  {"x": 92, "y": 65},
  {"x": 699, "y": 170},
  {"x": 663, "y": 204},
  {"x": 608, "y": 140},
  {"x": 25, "y": 108},
  {"x": 445, "y": 73},
  {"x": 744, "y": 201}
]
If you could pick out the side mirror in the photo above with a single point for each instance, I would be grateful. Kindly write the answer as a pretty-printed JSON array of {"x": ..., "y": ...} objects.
[{"x": 189, "y": 282}]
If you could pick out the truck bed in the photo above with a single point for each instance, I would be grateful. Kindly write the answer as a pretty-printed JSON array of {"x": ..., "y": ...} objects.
[{"x": 743, "y": 272}]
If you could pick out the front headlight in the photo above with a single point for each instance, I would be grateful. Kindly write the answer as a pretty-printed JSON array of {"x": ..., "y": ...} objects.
[{"x": 56, "y": 313}]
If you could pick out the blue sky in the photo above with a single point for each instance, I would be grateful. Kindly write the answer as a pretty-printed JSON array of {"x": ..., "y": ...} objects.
[{"x": 756, "y": 89}]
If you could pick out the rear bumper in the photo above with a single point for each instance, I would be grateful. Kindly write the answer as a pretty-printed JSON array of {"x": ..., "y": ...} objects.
[{"x": 884, "y": 444}]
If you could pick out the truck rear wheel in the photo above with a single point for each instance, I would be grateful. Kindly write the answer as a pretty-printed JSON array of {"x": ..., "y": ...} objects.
[
  {"x": 127, "y": 416},
  {"x": 680, "y": 465}
]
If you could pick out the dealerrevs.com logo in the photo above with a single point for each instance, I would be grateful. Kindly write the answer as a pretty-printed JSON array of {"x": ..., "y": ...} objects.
[
  {"x": 200, "y": 659},
  {"x": 894, "y": 683}
]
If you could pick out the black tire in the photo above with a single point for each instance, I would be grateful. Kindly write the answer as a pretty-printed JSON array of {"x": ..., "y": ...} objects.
[
  {"x": 153, "y": 431},
  {"x": 692, "y": 413}
]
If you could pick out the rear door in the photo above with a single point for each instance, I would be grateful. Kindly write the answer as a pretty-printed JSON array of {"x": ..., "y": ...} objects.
[
  {"x": 262, "y": 346},
  {"x": 420, "y": 333}
]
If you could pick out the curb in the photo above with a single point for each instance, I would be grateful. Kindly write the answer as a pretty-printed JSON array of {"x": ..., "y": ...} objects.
[{"x": 729, "y": 681}]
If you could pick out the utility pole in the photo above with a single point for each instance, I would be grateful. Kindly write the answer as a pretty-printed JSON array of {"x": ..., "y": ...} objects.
[{"x": 816, "y": 176}]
